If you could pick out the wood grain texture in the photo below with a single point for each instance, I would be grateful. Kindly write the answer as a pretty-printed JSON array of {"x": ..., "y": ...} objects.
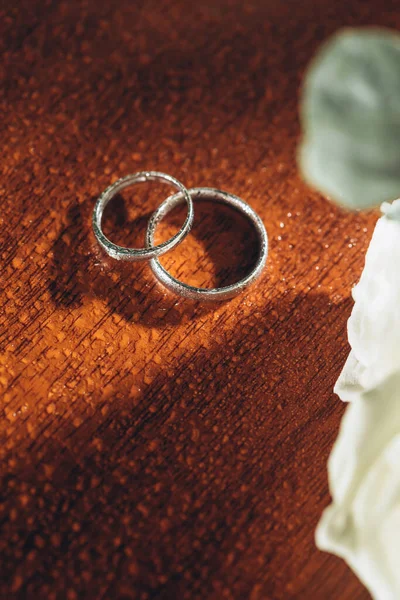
[{"x": 153, "y": 447}]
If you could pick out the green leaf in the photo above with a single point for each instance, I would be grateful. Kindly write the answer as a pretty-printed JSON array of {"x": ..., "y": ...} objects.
[{"x": 350, "y": 114}]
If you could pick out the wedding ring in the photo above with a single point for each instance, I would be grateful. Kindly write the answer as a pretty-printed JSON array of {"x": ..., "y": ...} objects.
[
  {"x": 139, "y": 254},
  {"x": 195, "y": 293}
]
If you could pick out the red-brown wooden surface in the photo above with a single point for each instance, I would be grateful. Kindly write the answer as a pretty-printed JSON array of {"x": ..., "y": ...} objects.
[{"x": 153, "y": 447}]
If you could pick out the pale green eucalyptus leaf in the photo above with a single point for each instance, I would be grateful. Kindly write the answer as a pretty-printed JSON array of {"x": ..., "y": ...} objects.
[{"x": 350, "y": 113}]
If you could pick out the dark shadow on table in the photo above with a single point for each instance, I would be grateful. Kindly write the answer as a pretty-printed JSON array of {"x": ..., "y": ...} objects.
[{"x": 211, "y": 483}]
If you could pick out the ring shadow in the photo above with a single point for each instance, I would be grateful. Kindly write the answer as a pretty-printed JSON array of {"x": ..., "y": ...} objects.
[{"x": 221, "y": 248}]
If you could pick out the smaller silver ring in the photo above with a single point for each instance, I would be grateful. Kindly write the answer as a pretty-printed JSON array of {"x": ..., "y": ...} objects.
[
  {"x": 139, "y": 254},
  {"x": 195, "y": 293}
]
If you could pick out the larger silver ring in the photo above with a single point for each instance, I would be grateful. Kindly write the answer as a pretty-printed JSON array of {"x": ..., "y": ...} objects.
[
  {"x": 195, "y": 293},
  {"x": 137, "y": 254}
]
